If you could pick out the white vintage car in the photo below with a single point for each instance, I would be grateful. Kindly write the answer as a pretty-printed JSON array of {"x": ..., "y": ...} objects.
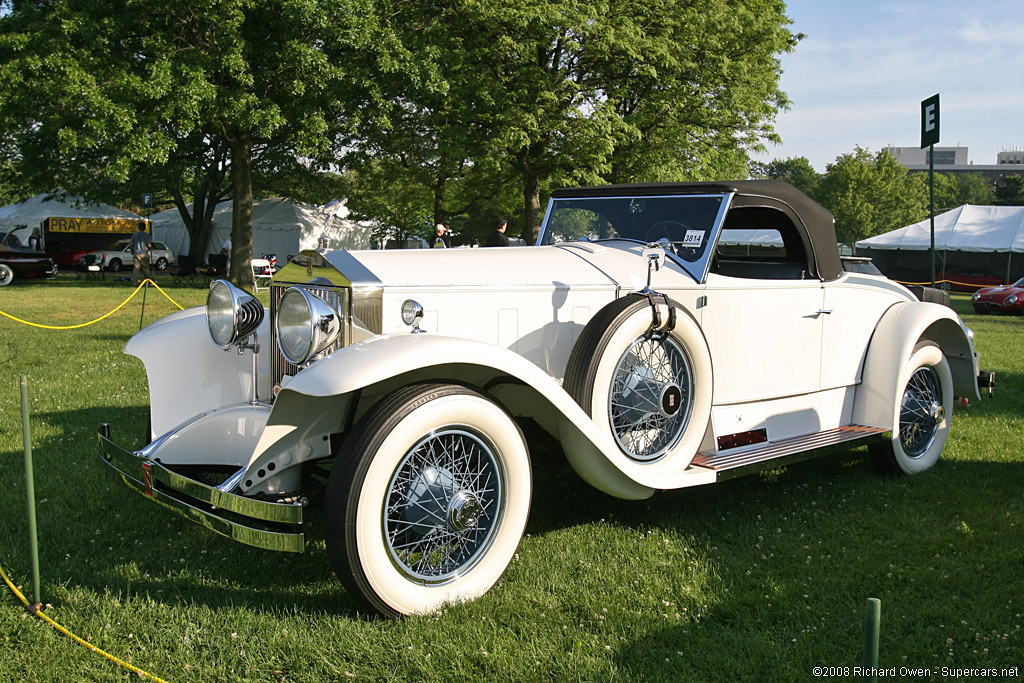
[
  {"x": 668, "y": 335},
  {"x": 119, "y": 255}
]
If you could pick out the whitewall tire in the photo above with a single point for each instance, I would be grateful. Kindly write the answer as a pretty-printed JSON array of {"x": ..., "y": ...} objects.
[
  {"x": 427, "y": 500},
  {"x": 6, "y": 274},
  {"x": 652, "y": 395},
  {"x": 921, "y": 415}
]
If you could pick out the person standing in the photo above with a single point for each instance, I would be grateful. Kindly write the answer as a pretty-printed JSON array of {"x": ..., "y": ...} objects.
[
  {"x": 498, "y": 238},
  {"x": 440, "y": 239},
  {"x": 140, "y": 251}
]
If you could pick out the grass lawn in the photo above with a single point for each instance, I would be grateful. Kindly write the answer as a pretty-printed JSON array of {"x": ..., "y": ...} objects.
[{"x": 758, "y": 578}]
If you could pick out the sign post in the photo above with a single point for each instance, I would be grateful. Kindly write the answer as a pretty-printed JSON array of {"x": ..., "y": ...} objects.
[{"x": 929, "y": 137}]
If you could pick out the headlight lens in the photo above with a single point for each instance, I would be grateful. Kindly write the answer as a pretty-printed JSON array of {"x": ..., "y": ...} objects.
[
  {"x": 411, "y": 312},
  {"x": 231, "y": 314},
  {"x": 975, "y": 297},
  {"x": 306, "y": 325},
  {"x": 1011, "y": 300}
]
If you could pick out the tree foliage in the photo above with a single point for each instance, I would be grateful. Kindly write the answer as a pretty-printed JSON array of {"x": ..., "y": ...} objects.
[
  {"x": 1009, "y": 191},
  {"x": 870, "y": 194},
  {"x": 100, "y": 91},
  {"x": 797, "y": 171},
  {"x": 557, "y": 92}
]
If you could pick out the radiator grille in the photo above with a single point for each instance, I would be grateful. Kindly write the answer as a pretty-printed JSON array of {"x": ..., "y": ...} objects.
[{"x": 338, "y": 298}]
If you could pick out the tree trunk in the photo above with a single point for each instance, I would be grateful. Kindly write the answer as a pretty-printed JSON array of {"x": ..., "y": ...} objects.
[
  {"x": 439, "y": 190},
  {"x": 531, "y": 207},
  {"x": 240, "y": 271},
  {"x": 192, "y": 226}
]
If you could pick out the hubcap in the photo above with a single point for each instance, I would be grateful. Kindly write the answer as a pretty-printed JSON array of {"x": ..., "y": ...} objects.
[
  {"x": 444, "y": 505},
  {"x": 463, "y": 511},
  {"x": 921, "y": 412},
  {"x": 651, "y": 397}
]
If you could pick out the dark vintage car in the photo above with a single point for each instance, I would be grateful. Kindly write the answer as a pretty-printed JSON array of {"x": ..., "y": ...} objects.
[
  {"x": 18, "y": 263},
  {"x": 1001, "y": 299}
]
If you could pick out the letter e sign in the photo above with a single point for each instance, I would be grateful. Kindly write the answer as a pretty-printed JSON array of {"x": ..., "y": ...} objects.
[{"x": 930, "y": 121}]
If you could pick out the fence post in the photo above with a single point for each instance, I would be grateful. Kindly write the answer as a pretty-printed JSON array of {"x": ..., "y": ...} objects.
[
  {"x": 144, "y": 290},
  {"x": 871, "y": 629},
  {"x": 31, "y": 489}
]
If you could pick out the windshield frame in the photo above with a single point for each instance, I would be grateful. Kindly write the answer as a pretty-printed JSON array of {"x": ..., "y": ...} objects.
[{"x": 697, "y": 269}]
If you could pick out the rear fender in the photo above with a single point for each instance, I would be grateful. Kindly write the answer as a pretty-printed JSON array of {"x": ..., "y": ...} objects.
[{"x": 900, "y": 329}]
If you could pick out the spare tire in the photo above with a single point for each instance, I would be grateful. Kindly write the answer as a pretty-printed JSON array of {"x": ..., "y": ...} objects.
[{"x": 650, "y": 393}]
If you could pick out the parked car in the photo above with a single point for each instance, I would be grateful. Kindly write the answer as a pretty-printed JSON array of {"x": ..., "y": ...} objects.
[
  {"x": 65, "y": 253},
  {"x": 119, "y": 255},
  {"x": 402, "y": 378},
  {"x": 19, "y": 263},
  {"x": 966, "y": 279},
  {"x": 1001, "y": 299}
]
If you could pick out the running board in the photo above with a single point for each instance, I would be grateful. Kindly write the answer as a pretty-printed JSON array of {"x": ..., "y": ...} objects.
[{"x": 728, "y": 465}]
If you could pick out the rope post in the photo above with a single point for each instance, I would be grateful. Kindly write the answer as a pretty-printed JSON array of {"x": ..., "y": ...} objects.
[
  {"x": 30, "y": 487},
  {"x": 142, "y": 316},
  {"x": 872, "y": 626}
]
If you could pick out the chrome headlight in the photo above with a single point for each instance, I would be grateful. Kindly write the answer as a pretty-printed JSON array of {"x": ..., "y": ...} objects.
[
  {"x": 231, "y": 314},
  {"x": 1011, "y": 300},
  {"x": 975, "y": 297},
  {"x": 306, "y": 325}
]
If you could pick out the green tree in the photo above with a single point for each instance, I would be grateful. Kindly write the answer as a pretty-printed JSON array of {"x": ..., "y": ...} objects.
[
  {"x": 974, "y": 188},
  {"x": 566, "y": 92},
  {"x": 870, "y": 194},
  {"x": 955, "y": 190},
  {"x": 1009, "y": 191},
  {"x": 95, "y": 91},
  {"x": 797, "y": 171}
]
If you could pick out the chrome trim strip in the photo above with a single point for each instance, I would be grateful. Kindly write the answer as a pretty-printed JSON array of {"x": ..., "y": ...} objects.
[
  {"x": 204, "y": 504},
  {"x": 788, "y": 451}
]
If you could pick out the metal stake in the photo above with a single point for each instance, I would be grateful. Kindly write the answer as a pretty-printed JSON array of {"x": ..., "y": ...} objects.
[
  {"x": 144, "y": 291},
  {"x": 871, "y": 628},
  {"x": 30, "y": 487}
]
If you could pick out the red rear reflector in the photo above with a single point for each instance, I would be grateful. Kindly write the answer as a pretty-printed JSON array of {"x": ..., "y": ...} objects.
[{"x": 742, "y": 439}]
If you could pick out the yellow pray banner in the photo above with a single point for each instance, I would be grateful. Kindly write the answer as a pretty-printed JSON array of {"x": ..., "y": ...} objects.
[{"x": 96, "y": 225}]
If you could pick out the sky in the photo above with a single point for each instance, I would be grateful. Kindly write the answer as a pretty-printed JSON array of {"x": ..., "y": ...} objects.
[{"x": 859, "y": 75}]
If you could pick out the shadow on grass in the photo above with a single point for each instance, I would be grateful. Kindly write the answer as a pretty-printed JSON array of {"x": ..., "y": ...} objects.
[{"x": 101, "y": 536}]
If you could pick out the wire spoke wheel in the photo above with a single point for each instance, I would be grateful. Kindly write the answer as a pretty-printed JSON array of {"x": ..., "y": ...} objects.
[
  {"x": 651, "y": 397},
  {"x": 921, "y": 414},
  {"x": 443, "y": 505},
  {"x": 428, "y": 499},
  {"x": 921, "y": 411}
]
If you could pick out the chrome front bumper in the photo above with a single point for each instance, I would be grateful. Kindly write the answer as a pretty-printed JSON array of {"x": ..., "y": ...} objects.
[{"x": 264, "y": 524}]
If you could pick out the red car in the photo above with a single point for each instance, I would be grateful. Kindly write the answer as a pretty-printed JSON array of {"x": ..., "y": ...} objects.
[
  {"x": 966, "y": 280},
  {"x": 1001, "y": 299}
]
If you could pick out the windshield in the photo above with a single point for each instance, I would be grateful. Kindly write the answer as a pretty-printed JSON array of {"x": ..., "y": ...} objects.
[{"x": 685, "y": 222}]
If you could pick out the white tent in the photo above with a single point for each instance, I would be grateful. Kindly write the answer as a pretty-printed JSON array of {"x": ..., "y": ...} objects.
[
  {"x": 279, "y": 226},
  {"x": 985, "y": 236},
  {"x": 33, "y": 211},
  {"x": 965, "y": 228}
]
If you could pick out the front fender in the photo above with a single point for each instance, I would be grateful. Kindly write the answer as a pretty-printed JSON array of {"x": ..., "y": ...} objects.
[
  {"x": 322, "y": 392},
  {"x": 897, "y": 333},
  {"x": 188, "y": 374}
]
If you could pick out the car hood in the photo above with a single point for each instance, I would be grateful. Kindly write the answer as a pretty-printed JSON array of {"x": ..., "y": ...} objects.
[
  {"x": 998, "y": 293},
  {"x": 577, "y": 264}
]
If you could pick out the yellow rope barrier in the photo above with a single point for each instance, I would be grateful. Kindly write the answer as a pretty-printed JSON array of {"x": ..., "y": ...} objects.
[
  {"x": 38, "y": 611},
  {"x": 102, "y": 317},
  {"x": 953, "y": 282}
]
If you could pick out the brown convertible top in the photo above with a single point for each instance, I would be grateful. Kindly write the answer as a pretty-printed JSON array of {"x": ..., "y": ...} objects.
[{"x": 815, "y": 223}]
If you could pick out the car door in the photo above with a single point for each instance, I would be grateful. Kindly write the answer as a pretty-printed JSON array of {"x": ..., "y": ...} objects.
[{"x": 765, "y": 337}]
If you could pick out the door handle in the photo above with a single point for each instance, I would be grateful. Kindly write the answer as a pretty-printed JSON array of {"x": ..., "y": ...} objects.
[{"x": 824, "y": 311}]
